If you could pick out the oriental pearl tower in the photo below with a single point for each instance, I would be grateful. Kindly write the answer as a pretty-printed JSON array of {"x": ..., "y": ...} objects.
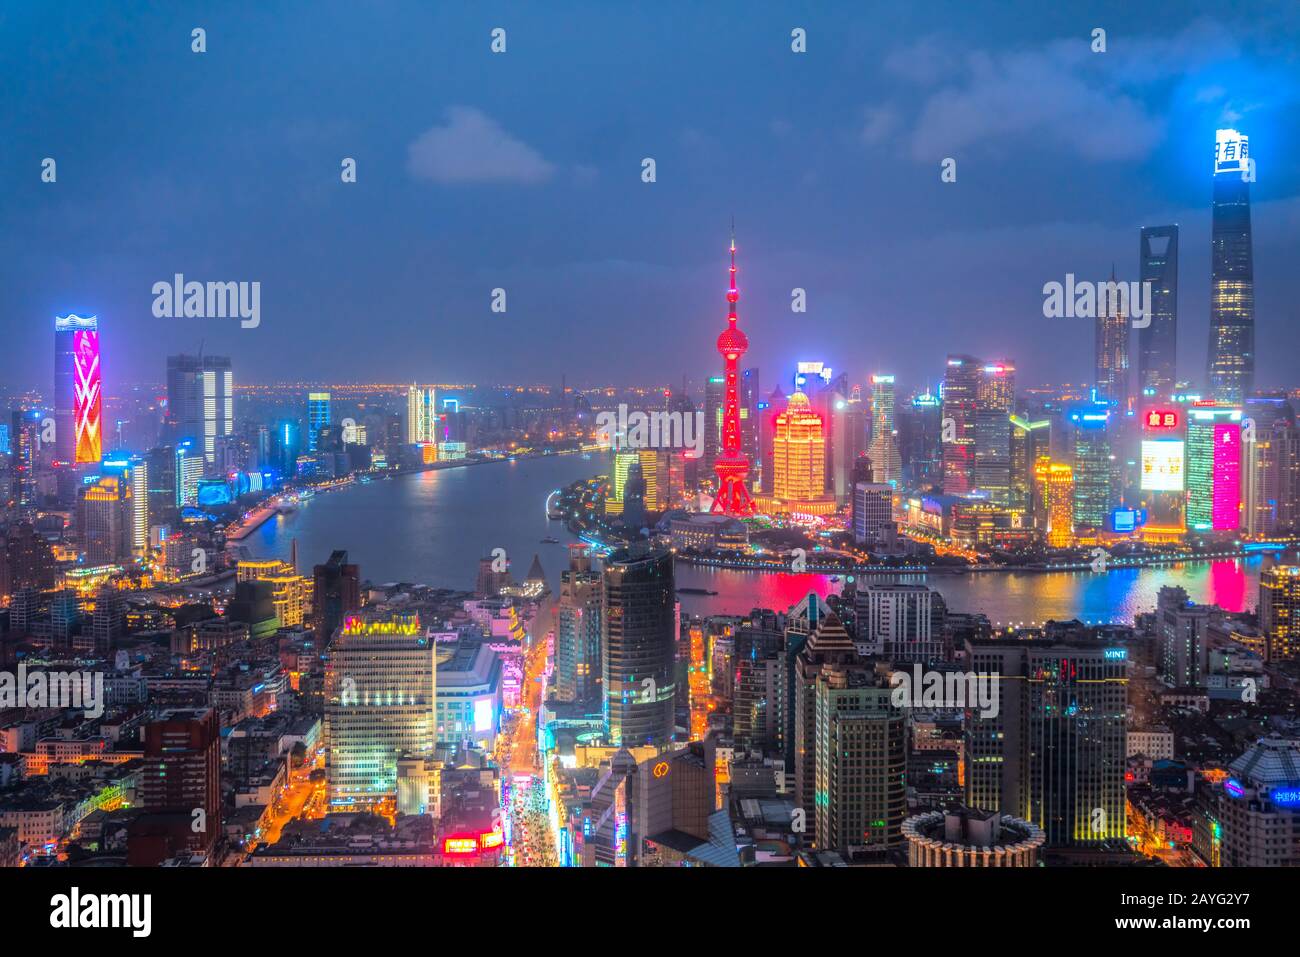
[{"x": 731, "y": 466}]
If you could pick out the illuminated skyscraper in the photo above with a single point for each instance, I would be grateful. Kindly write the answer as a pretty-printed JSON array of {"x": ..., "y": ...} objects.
[
  {"x": 1158, "y": 341},
  {"x": 750, "y": 435},
  {"x": 1029, "y": 440},
  {"x": 624, "y": 459},
  {"x": 200, "y": 401},
  {"x": 859, "y": 767},
  {"x": 380, "y": 697},
  {"x": 961, "y": 386},
  {"x": 78, "y": 390},
  {"x": 1053, "y": 751},
  {"x": 1232, "y": 273},
  {"x": 421, "y": 415},
  {"x": 638, "y": 648},
  {"x": 1112, "y": 376},
  {"x": 134, "y": 474},
  {"x": 920, "y": 428},
  {"x": 1213, "y": 468},
  {"x": 24, "y": 441},
  {"x": 188, "y": 471},
  {"x": 1279, "y": 611},
  {"x": 731, "y": 466},
  {"x": 1054, "y": 501},
  {"x": 886, "y": 463},
  {"x": 318, "y": 417},
  {"x": 773, "y": 407},
  {"x": 105, "y": 515},
  {"x": 798, "y": 455},
  {"x": 996, "y": 398},
  {"x": 714, "y": 398},
  {"x": 1094, "y": 469},
  {"x": 654, "y": 486}
]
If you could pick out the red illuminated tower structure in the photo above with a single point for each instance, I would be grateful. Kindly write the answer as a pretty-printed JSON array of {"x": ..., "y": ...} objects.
[{"x": 731, "y": 466}]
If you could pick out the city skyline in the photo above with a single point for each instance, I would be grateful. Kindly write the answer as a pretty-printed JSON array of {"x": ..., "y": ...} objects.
[{"x": 390, "y": 478}]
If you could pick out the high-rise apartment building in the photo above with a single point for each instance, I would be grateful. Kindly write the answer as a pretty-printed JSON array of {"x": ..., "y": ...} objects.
[
  {"x": 828, "y": 646},
  {"x": 182, "y": 773},
  {"x": 1182, "y": 633},
  {"x": 1279, "y": 611},
  {"x": 578, "y": 631},
  {"x": 860, "y": 741}
]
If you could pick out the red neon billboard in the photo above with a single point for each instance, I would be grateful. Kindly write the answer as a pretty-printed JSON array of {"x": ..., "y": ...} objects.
[
  {"x": 87, "y": 398},
  {"x": 1162, "y": 419}
]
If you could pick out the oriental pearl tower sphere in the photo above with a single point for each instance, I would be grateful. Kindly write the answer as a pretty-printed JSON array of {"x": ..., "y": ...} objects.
[{"x": 731, "y": 466}]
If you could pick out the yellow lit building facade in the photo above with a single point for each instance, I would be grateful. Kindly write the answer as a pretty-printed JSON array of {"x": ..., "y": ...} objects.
[
  {"x": 290, "y": 594},
  {"x": 798, "y": 462},
  {"x": 1055, "y": 482}
]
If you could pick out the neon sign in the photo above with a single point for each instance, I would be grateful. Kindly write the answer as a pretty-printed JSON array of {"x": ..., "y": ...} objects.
[
  {"x": 1234, "y": 788},
  {"x": 1231, "y": 151},
  {"x": 1286, "y": 797},
  {"x": 406, "y": 626},
  {"x": 459, "y": 845},
  {"x": 661, "y": 769},
  {"x": 1162, "y": 419}
]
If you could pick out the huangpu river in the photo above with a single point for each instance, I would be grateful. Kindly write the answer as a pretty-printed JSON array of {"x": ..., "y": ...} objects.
[{"x": 432, "y": 528}]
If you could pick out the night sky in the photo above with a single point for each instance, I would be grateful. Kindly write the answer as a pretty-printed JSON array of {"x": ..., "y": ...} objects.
[{"x": 522, "y": 170}]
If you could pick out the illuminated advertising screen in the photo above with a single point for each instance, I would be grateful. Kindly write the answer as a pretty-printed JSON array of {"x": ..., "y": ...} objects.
[
  {"x": 1162, "y": 465},
  {"x": 1226, "y": 499},
  {"x": 213, "y": 492},
  {"x": 86, "y": 395},
  {"x": 1231, "y": 151},
  {"x": 482, "y": 715}
]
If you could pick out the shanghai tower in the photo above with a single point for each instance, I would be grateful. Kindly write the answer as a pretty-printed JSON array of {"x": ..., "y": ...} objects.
[{"x": 1231, "y": 363}]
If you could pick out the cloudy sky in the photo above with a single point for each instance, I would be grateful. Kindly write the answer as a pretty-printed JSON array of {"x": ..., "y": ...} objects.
[{"x": 522, "y": 170}]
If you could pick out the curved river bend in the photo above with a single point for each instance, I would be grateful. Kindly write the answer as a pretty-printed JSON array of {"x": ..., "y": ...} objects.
[{"x": 432, "y": 527}]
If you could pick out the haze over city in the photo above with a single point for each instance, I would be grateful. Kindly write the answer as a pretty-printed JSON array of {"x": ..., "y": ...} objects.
[{"x": 523, "y": 172}]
